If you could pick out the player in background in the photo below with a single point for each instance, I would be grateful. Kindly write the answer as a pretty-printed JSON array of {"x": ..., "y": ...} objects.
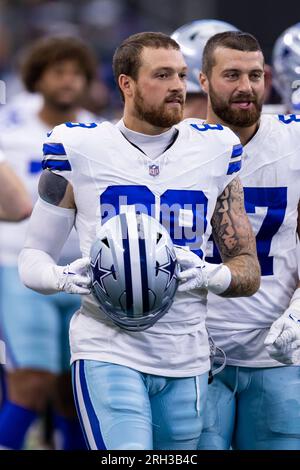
[
  {"x": 15, "y": 205},
  {"x": 19, "y": 107},
  {"x": 286, "y": 68},
  {"x": 192, "y": 38},
  {"x": 254, "y": 402},
  {"x": 34, "y": 327},
  {"x": 146, "y": 389}
]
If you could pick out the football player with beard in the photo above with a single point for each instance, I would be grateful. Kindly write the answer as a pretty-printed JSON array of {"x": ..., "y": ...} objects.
[
  {"x": 192, "y": 38},
  {"x": 142, "y": 389},
  {"x": 254, "y": 402},
  {"x": 57, "y": 71}
]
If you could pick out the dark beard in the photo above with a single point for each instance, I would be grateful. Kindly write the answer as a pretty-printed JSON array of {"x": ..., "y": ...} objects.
[
  {"x": 61, "y": 106},
  {"x": 235, "y": 117},
  {"x": 157, "y": 117}
]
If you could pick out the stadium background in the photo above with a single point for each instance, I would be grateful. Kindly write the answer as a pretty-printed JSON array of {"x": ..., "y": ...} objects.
[{"x": 104, "y": 23}]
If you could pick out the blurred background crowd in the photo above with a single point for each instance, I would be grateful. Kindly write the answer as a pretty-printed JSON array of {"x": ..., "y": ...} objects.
[{"x": 104, "y": 23}]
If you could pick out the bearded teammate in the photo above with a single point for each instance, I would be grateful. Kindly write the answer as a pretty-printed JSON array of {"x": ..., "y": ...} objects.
[
  {"x": 125, "y": 381},
  {"x": 34, "y": 327},
  {"x": 253, "y": 402},
  {"x": 192, "y": 38},
  {"x": 15, "y": 205}
]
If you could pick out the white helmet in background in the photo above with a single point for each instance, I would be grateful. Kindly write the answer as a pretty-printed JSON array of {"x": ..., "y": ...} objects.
[
  {"x": 134, "y": 270},
  {"x": 192, "y": 38},
  {"x": 286, "y": 67}
]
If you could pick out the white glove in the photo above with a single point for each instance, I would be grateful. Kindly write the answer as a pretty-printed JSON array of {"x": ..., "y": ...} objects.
[
  {"x": 75, "y": 278},
  {"x": 198, "y": 274},
  {"x": 193, "y": 275},
  {"x": 283, "y": 339}
]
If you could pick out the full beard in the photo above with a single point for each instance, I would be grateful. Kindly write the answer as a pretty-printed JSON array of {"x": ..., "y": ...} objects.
[
  {"x": 157, "y": 116},
  {"x": 61, "y": 105},
  {"x": 236, "y": 117}
]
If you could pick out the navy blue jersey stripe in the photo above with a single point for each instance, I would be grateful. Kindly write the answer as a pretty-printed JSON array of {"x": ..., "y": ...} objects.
[
  {"x": 234, "y": 167},
  {"x": 54, "y": 149},
  {"x": 237, "y": 150},
  {"x": 59, "y": 165},
  {"x": 127, "y": 265},
  {"x": 35, "y": 166},
  {"x": 143, "y": 264}
]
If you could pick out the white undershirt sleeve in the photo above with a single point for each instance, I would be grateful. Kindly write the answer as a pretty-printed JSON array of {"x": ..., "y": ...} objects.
[{"x": 49, "y": 228}]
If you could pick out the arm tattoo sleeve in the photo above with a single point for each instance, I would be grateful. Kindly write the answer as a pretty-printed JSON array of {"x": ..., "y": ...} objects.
[
  {"x": 55, "y": 190},
  {"x": 236, "y": 242}
]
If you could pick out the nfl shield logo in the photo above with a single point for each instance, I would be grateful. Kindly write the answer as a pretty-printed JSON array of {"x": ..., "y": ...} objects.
[{"x": 153, "y": 170}]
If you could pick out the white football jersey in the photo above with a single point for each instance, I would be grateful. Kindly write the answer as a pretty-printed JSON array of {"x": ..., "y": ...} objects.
[
  {"x": 19, "y": 108},
  {"x": 270, "y": 175},
  {"x": 21, "y": 141},
  {"x": 110, "y": 175}
]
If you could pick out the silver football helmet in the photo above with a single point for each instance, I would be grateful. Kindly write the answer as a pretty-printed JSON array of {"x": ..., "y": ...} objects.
[
  {"x": 134, "y": 270},
  {"x": 286, "y": 67},
  {"x": 192, "y": 38}
]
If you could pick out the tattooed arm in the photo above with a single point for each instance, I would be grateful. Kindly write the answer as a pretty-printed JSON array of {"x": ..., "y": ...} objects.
[{"x": 234, "y": 237}]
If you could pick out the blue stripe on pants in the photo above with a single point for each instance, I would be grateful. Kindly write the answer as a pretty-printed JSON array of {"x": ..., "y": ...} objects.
[
  {"x": 73, "y": 369},
  {"x": 93, "y": 420}
]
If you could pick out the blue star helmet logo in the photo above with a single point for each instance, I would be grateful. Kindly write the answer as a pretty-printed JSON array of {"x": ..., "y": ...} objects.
[
  {"x": 100, "y": 273},
  {"x": 169, "y": 267}
]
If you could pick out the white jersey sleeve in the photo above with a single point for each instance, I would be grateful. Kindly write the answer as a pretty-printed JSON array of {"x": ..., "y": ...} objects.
[
  {"x": 55, "y": 158},
  {"x": 227, "y": 147},
  {"x": 233, "y": 157}
]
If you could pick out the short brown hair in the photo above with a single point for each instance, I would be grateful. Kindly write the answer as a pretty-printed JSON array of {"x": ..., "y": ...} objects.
[
  {"x": 231, "y": 40},
  {"x": 48, "y": 51},
  {"x": 126, "y": 59}
]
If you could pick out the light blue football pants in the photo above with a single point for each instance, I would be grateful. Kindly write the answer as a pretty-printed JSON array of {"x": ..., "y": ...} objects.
[
  {"x": 253, "y": 408},
  {"x": 121, "y": 408}
]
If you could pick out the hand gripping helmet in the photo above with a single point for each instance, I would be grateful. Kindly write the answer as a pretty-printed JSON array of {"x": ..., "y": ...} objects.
[
  {"x": 192, "y": 38},
  {"x": 286, "y": 67},
  {"x": 134, "y": 270}
]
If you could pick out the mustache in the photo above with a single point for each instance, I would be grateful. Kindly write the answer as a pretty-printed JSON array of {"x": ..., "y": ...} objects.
[
  {"x": 66, "y": 89},
  {"x": 175, "y": 96},
  {"x": 244, "y": 97}
]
